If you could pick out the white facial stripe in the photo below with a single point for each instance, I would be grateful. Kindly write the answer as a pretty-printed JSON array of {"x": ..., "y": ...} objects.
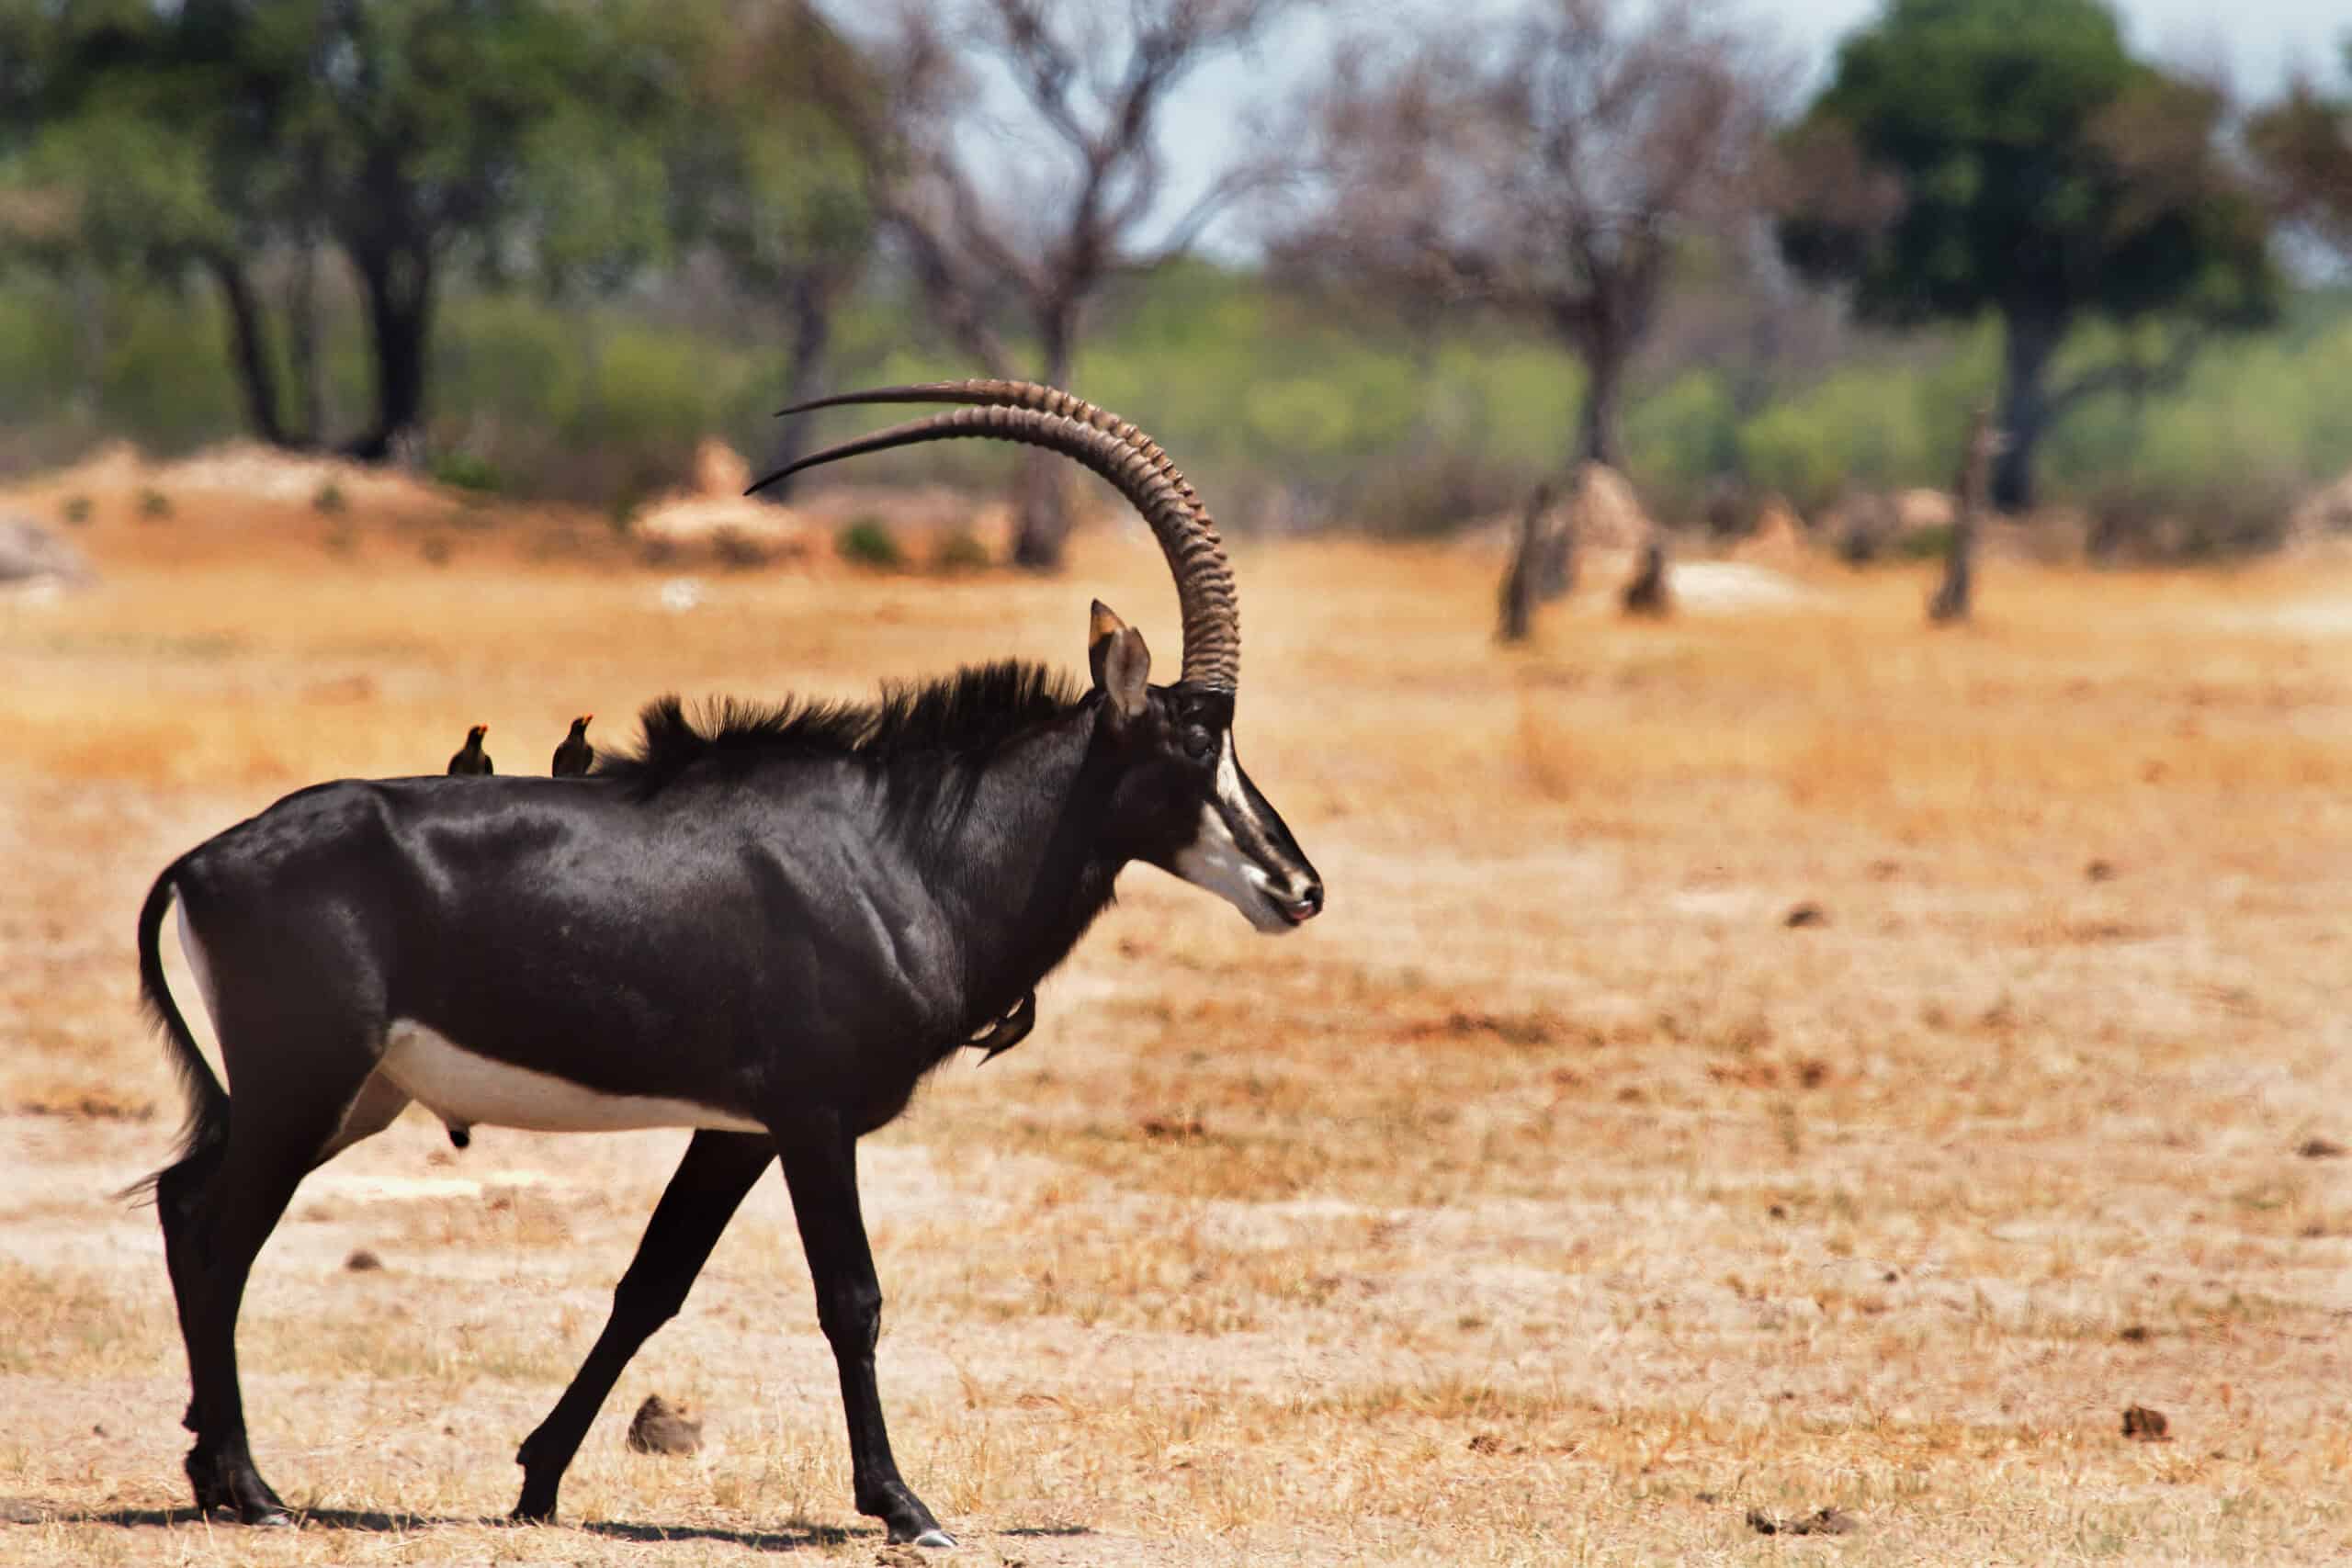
[
  {"x": 1216, "y": 859},
  {"x": 465, "y": 1090}
]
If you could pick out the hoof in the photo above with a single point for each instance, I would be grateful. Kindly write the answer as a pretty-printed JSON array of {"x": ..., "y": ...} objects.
[{"x": 936, "y": 1539}]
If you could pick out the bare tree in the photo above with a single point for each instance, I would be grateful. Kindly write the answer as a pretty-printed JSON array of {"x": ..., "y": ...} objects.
[
  {"x": 2303, "y": 146},
  {"x": 1549, "y": 165},
  {"x": 1037, "y": 238},
  {"x": 1954, "y": 595},
  {"x": 1647, "y": 594}
]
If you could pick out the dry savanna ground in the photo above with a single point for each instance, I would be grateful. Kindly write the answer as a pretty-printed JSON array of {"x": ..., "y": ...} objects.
[{"x": 1564, "y": 1194}]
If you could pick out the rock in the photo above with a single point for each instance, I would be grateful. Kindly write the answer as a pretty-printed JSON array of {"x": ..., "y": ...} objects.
[
  {"x": 1822, "y": 1521},
  {"x": 1778, "y": 539},
  {"x": 736, "y": 529},
  {"x": 363, "y": 1262},
  {"x": 661, "y": 1428},
  {"x": 2144, "y": 1425},
  {"x": 2327, "y": 510},
  {"x": 2100, "y": 871},
  {"x": 1804, "y": 915},
  {"x": 2319, "y": 1148},
  {"x": 720, "y": 469},
  {"x": 1605, "y": 513},
  {"x": 30, "y": 554},
  {"x": 1917, "y": 511},
  {"x": 1862, "y": 525}
]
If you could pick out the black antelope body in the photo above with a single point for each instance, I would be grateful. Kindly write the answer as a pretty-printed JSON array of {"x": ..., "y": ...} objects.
[{"x": 766, "y": 926}]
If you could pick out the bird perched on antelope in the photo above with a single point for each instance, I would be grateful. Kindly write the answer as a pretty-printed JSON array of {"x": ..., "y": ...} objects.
[
  {"x": 471, "y": 761},
  {"x": 575, "y": 756}
]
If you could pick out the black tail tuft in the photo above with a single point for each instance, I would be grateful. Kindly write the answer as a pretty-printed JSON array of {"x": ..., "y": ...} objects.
[{"x": 208, "y": 1104}]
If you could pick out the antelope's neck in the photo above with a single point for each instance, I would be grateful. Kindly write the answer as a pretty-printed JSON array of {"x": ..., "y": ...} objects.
[{"x": 1021, "y": 865}]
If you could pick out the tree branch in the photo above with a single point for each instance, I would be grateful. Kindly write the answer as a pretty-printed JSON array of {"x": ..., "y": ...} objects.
[{"x": 2133, "y": 375}]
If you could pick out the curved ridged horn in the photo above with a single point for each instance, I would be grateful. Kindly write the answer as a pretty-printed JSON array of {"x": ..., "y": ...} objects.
[
  {"x": 1015, "y": 395},
  {"x": 1135, "y": 466}
]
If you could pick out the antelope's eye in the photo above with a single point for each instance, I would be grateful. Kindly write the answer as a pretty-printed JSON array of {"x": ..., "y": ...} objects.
[{"x": 1198, "y": 741}]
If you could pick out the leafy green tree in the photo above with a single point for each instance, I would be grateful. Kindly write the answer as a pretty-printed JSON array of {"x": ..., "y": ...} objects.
[
  {"x": 566, "y": 138},
  {"x": 2011, "y": 156}
]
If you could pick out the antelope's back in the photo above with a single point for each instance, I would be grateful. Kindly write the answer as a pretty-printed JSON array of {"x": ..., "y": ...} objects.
[{"x": 544, "y": 919}]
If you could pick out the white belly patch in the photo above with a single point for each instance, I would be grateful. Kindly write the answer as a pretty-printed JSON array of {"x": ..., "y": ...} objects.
[{"x": 467, "y": 1090}]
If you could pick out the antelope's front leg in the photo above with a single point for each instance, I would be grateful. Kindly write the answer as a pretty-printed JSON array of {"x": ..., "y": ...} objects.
[
  {"x": 718, "y": 1171},
  {"x": 820, "y": 1168}
]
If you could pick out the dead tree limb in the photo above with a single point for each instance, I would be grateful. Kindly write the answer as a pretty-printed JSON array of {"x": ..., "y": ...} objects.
[{"x": 1954, "y": 596}]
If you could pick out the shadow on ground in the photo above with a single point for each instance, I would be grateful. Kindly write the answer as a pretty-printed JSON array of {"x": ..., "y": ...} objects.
[{"x": 792, "y": 1538}]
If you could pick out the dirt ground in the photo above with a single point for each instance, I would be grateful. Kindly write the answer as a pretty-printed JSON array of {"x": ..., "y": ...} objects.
[{"x": 1780, "y": 1059}]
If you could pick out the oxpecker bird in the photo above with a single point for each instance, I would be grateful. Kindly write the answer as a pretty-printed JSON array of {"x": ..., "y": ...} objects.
[
  {"x": 575, "y": 756},
  {"x": 471, "y": 761}
]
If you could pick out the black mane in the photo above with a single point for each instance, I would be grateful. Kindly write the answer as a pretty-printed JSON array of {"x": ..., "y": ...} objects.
[{"x": 961, "y": 717}]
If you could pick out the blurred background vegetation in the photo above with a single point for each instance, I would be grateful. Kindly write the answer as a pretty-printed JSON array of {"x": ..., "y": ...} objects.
[{"x": 615, "y": 227}]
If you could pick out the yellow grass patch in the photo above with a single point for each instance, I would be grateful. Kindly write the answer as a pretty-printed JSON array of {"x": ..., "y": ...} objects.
[{"x": 1765, "y": 1061}]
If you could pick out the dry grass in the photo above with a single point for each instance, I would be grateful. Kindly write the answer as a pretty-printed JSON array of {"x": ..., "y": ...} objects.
[{"x": 1552, "y": 1199}]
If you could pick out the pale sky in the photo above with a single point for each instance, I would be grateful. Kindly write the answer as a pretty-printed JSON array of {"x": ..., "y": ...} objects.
[{"x": 2257, "y": 46}]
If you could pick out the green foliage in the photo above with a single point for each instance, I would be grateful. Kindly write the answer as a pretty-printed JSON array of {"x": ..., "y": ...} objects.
[
  {"x": 1931, "y": 543},
  {"x": 2010, "y": 156},
  {"x": 466, "y": 471},
  {"x": 596, "y": 138},
  {"x": 76, "y": 509},
  {"x": 154, "y": 505},
  {"x": 959, "y": 552},
  {"x": 2039, "y": 171},
  {"x": 1682, "y": 436},
  {"x": 329, "y": 501},
  {"x": 597, "y": 403},
  {"x": 867, "y": 541}
]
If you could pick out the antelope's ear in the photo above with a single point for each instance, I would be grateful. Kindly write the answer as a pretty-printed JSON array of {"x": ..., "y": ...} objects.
[{"x": 1121, "y": 663}]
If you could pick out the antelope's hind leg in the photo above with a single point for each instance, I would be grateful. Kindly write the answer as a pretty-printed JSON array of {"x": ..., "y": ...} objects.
[{"x": 220, "y": 1205}]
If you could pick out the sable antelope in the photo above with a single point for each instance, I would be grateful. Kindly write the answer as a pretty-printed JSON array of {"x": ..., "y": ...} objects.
[
  {"x": 471, "y": 761},
  {"x": 767, "y": 926},
  {"x": 575, "y": 756}
]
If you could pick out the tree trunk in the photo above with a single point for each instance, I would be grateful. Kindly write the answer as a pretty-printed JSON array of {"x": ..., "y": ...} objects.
[
  {"x": 303, "y": 344},
  {"x": 90, "y": 306},
  {"x": 1954, "y": 595},
  {"x": 1647, "y": 594},
  {"x": 1604, "y": 392},
  {"x": 2029, "y": 343},
  {"x": 810, "y": 304},
  {"x": 249, "y": 348},
  {"x": 1521, "y": 578},
  {"x": 398, "y": 282},
  {"x": 1043, "y": 525}
]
